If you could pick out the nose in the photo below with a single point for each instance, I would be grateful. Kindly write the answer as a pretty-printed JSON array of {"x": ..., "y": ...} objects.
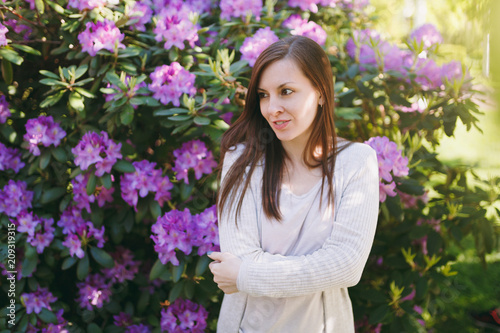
[{"x": 274, "y": 106}]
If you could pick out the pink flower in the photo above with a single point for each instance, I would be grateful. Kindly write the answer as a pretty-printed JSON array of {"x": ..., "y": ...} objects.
[
  {"x": 193, "y": 155},
  {"x": 98, "y": 150},
  {"x": 426, "y": 34},
  {"x": 253, "y": 46},
  {"x": 101, "y": 36},
  {"x": 74, "y": 244},
  {"x": 311, "y": 5},
  {"x": 240, "y": 8},
  {"x": 169, "y": 82},
  {"x": 3, "y": 31},
  {"x": 43, "y": 131},
  {"x": 175, "y": 27},
  {"x": 301, "y": 27},
  {"x": 38, "y": 300}
]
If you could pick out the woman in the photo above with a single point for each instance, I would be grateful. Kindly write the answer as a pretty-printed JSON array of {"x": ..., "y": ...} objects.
[{"x": 297, "y": 211}]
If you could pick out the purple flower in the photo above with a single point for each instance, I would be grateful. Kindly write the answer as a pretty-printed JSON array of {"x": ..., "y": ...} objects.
[
  {"x": 19, "y": 28},
  {"x": 123, "y": 319},
  {"x": 311, "y": 5},
  {"x": 4, "y": 109},
  {"x": 3, "y": 31},
  {"x": 454, "y": 72},
  {"x": 131, "y": 92},
  {"x": 142, "y": 181},
  {"x": 427, "y": 35},
  {"x": 301, "y": 27},
  {"x": 171, "y": 232},
  {"x": 43, "y": 130},
  {"x": 368, "y": 48},
  {"x": 184, "y": 316},
  {"x": 97, "y": 149},
  {"x": 169, "y": 82},
  {"x": 240, "y": 8},
  {"x": 90, "y": 4},
  {"x": 253, "y": 46},
  {"x": 36, "y": 301},
  {"x": 193, "y": 155},
  {"x": 206, "y": 234},
  {"x": 101, "y": 35},
  {"x": 43, "y": 235},
  {"x": 94, "y": 292},
  {"x": 83, "y": 200},
  {"x": 389, "y": 160},
  {"x": 174, "y": 26},
  {"x": 71, "y": 220},
  {"x": 428, "y": 74},
  {"x": 74, "y": 244},
  {"x": 14, "y": 198},
  {"x": 141, "y": 328},
  {"x": 10, "y": 158},
  {"x": 125, "y": 267},
  {"x": 141, "y": 12}
]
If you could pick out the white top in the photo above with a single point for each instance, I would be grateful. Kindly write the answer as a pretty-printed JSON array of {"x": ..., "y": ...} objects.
[{"x": 295, "y": 274}]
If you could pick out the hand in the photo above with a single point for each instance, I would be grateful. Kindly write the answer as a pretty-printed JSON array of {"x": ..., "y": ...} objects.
[{"x": 225, "y": 269}]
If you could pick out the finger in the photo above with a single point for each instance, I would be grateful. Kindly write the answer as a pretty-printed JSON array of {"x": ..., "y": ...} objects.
[{"x": 215, "y": 255}]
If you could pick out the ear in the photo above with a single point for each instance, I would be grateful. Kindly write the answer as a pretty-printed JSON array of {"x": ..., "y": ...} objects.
[{"x": 320, "y": 100}]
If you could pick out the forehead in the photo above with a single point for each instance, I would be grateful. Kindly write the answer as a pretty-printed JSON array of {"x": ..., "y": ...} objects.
[{"x": 281, "y": 71}]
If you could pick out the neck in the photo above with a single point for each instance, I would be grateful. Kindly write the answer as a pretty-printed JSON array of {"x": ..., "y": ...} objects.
[{"x": 294, "y": 151}]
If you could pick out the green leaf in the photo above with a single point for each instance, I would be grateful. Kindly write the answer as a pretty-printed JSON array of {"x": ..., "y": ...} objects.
[
  {"x": 76, "y": 101},
  {"x": 52, "y": 194},
  {"x": 106, "y": 181},
  {"x": 178, "y": 270},
  {"x": 124, "y": 166},
  {"x": 102, "y": 257},
  {"x": 52, "y": 99},
  {"x": 11, "y": 55},
  {"x": 44, "y": 160},
  {"x": 157, "y": 270},
  {"x": 201, "y": 265},
  {"x": 198, "y": 120},
  {"x": 221, "y": 124},
  {"x": 52, "y": 82},
  {"x": 81, "y": 70},
  {"x": 84, "y": 92},
  {"x": 155, "y": 209},
  {"x": 377, "y": 315},
  {"x": 127, "y": 114},
  {"x": 29, "y": 265},
  {"x": 47, "y": 316},
  {"x": 176, "y": 291},
  {"x": 91, "y": 184},
  {"x": 49, "y": 74},
  {"x": 68, "y": 262},
  {"x": 40, "y": 6},
  {"x": 186, "y": 190},
  {"x": 7, "y": 71},
  {"x": 82, "y": 270},
  {"x": 170, "y": 112},
  {"x": 27, "y": 49},
  {"x": 112, "y": 78},
  {"x": 93, "y": 328},
  {"x": 180, "y": 117},
  {"x": 60, "y": 154}
]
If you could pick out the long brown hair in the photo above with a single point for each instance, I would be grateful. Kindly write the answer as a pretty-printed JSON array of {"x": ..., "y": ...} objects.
[{"x": 260, "y": 141}]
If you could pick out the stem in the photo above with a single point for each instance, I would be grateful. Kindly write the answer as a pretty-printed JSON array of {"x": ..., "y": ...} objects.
[{"x": 18, "y": 15}]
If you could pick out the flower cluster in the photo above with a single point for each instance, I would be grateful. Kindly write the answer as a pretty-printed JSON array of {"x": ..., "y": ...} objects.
[
  {"x": 411, "y": 201},
  {"x": 240, "y": 8},
  {"x": 184, "y": 315},
  {"x": 143, "y": 180},
  {"x": 79, "y": 232},
  {"x": 125, "y": 266},
  {"x": 97, "y": 149},
  {"x": 95, "y": 291},
  {"x": 169, "y": 82},
  {"x": 43, "y": 130},
  {"x": 109, "y": 97},
  {"x": 426, "y": 34},
  {"x": 17, "y": 27},
  {"x": 125, "y": 320},
  {"x": 389, "y": 160},
  {"x": 36, "y": 301},
  {"x": 3, "y": 31},
  {"x": 4, "y": 108},
  {"x": 141, "y": 12},
  {"x": 40, "y": 230},
  {"x": 14, "y": 198},
  {"x": 83, "y": 200},
  {"x": 180, "y": 230},
  {"x": 253, "y": 46},
  {"x": 302, "y": 27},
  {"x": 42, "y": 326},
  {"x": 10, "y": 158},
  {"x": 193, "y": 155},
  {"x": 174, "y": 26},
  {"x": 82, "y": 5},
  {"x": 311, "y": 5},
  {"x": 101, "y": 35}
]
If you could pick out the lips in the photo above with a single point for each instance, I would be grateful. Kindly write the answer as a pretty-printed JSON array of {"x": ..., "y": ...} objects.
[{"x": 280, "y": 124}]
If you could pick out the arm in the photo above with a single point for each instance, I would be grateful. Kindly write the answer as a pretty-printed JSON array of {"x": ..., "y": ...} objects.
[{"x": 340, "y": 261}]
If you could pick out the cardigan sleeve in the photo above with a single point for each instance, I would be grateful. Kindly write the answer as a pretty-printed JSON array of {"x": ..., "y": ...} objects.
[
  {"x": 340, "y": 261},
  {"x": 243, "y": 239}
]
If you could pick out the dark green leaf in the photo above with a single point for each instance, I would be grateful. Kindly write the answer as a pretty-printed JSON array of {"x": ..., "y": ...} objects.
[
  {"x": 178, "y": 270},
  {"x": 127, "y": 114},
  {"x": 68, "y": 262},
  {"x": 176, "y": 291},
  {"x": 29, "y": 265},
  {"x": 170, "y": 112},
  {"x": 378, "y": 314},
  {"x": 52, "y": 99},
  {"x": 52, "y": 194},
  {"x": 102, "y": 257},
  {"x": 112, "y": 78},
  {"x": 198, "y": 120},
  {"x": 50, "y": 74},
  {"x": 47, "y": 316},
  {"x": 201, "y": 265},
  {"x": 180, "y": 117},
  {"x": 82, "y": 270},
  {"x": 106, "y": 181},
  {"x": 93, "y": 328},
  {"x": 60, "y": 154},
  {"x": 7, "y": 71},
  {"x": 155, "y": 209},
  {"x": 44, "y": 159},
  {"x": 157, "y": 270},
  {"x": 124, "y": 166},
  {"x": 11, "y": 55},
  {"x": 91, "y": 184},
  {"x": 27, "y": 49}
]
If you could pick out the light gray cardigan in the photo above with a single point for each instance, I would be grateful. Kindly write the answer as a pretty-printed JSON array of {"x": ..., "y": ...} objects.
[{"x": 337, "y": 265}]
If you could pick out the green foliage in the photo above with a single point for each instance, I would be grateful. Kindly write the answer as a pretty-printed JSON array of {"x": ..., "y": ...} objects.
[{"x": 436, "y": 207}]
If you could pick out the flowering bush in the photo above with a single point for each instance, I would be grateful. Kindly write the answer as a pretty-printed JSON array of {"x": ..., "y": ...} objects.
[{"x": 111, "y": 114}]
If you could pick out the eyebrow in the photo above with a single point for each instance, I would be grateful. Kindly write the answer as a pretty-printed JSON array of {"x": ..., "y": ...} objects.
[{"x": 280, "y": 86}]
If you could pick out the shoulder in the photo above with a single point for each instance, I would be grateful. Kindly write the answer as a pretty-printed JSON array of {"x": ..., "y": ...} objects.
[
  {"x": 355, "y": 153},
  {"x": 233, "y": 153}
]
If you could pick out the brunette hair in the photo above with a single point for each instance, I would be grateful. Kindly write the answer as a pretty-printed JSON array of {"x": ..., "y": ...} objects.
[{"x": 252, "y": 129}]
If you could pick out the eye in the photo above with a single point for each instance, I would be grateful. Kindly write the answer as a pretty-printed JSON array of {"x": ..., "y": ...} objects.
[
  {"x": 262, "y": 95},
  {"x": 286, "y": 91}
]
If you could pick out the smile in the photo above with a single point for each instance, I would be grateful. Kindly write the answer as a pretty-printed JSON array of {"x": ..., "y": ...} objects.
[{"x": 281, "y": 124}]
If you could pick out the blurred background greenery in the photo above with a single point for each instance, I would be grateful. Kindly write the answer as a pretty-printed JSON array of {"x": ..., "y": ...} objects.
[{"x": 471, "y": 33}]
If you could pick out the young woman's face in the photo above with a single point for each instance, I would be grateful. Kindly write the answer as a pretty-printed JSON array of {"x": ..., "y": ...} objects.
[{"x": 288, "y": 101}]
